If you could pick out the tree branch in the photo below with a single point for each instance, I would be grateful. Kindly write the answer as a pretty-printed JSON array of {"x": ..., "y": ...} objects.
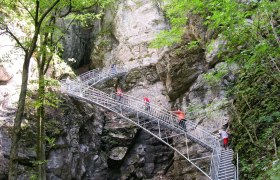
[
  {"x": 274, "y": 63},
  {"x": 44, "y": 44},
  {"x": 48, "y": 64},
  {"x": 15, "y": 38},
  {"x": 37, "y": 12},
  {"x": 69, "y": 10},
  {"x": 65, "y": 30},
  {"x": 273, "y": 29},
  {"x": 24, "y": 7},
  {"x": 246, "y": 101},
  {"x": 246, "y": 129},
  {"x": 47, "y": 12}
]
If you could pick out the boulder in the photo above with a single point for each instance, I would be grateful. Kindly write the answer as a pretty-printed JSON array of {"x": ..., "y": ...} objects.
[
  {"x": 118, "y": 153},
  {"x": 4, "y": 75}
]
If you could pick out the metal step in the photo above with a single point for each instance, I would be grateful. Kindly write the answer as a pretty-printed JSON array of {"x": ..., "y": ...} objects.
[
  {"x": 227, "y": 177},
  {"x": 226, "y": 174},
  {"x": 228, "y": 150},
  {"x": 226, "y": 154},
  {"x": 226, "y": 169},
  {"x": 226, "y": 166},
  {"x": 226, "y": 161},
  {"x": 226, "y": 157}
]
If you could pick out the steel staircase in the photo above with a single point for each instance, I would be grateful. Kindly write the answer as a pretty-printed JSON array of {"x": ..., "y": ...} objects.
[
  {"x": 226, "y": 168},
  {"x": 133, "y": 110}
]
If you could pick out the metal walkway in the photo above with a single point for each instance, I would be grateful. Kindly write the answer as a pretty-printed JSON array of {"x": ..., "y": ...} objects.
[{"x": 157, "y": 121}]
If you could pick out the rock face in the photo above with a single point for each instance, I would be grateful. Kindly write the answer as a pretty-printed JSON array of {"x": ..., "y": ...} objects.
[
  {"x": 76, "y": 43},
  {"x": 179, "y": 71},
  {"x": 206, "y": 102},
  {"x": 4, "y": 75},
  {"x": 92, "y": 143},
  {"x": 95, "y": 144},
  {"x": 127, "y": 34}
]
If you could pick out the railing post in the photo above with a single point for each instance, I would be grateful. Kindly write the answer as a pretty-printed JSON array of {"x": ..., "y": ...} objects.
[
  {"x": 211, "y": 169},
  {"x": 159, "y": 134},
  {"x": 237, "y": 167},
  {"x": 187, "y": 146},
  {"x": 121, "y": 109}
]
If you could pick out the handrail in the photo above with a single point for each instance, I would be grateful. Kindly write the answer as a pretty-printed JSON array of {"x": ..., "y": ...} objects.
[
  {"x": 165, "y": 111},
  {"x": 237, "y": 167},
  {"x": 82, "y": 87},
  {"x": 97, "y": 75},
  {"x": 164, "y": 115}
]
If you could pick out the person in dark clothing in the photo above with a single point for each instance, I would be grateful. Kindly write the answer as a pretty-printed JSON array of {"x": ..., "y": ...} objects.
[
  {"x": 113, "y": 69},
  {"x": 119, "y": 93}
]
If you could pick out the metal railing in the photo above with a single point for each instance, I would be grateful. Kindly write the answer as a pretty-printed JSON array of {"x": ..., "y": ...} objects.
[{"x": 125, "y": 106}]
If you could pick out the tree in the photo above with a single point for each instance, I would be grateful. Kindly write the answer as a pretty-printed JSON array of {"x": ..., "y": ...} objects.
[
  {"x": 38, "y": 17},
  {"x": 38, "y": 13},
  {"x": 49, "y": 45}
]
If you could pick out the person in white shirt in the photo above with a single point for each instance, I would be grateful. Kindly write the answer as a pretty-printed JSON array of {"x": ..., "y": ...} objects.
[{"x": 224, "y": 136}]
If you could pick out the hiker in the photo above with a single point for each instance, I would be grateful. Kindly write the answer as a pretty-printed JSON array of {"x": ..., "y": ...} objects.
[
  {"x": 181, "y": 117},
  {"x": 224, "y": 136},
  {"x": 147, "y": 103},
  {"x": 5, "y": 101},
  {"x": 68, "y": 82},
  {"x": 119, "y": 93},
  {"x": 113, "y": 69}
]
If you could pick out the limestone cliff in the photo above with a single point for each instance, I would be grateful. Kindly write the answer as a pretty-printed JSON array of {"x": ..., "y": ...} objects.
[{"x": 91, "y": 143}]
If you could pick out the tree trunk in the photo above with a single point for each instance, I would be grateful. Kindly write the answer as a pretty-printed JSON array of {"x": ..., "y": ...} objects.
[
  {"x": 41, "y": 126},
  {"x": 21, "y": 103},
  {"x": 13, "y": 164}
]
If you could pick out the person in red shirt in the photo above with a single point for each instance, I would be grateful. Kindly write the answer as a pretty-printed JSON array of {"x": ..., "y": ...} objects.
[
  {"x": 147, "y": 103},
  {"x": 119, "y": 93},
  {"x": 181, "y": 117}
]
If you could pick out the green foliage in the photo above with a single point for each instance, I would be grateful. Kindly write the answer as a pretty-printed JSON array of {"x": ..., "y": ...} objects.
[
  {"x": 214, "y": 77},
  {"x": 25, "y": 11},
  {"x": 273, "y": 172},
  {"x": 257, "y": 104},
  {"x": 252, "y": 35},
  {"x": 51, "y": 141},
  {"x": 193, "y": 45},
  {"x": 86, "y": 19},
  {"x": 53, "y": 128},
  {"x": 176, "y": 13},
  {"x": 167, "y": 38},
  {"x": 34, "y": 176},
  {"x": 50, "y": 98}
]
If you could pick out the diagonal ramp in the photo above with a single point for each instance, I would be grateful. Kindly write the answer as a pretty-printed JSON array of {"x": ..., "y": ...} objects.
[{"x": 132, "y": 109}]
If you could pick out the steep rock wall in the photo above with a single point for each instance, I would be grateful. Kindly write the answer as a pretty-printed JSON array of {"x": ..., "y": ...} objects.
[
  {"x": 126, "y": 33},
  {"x": 93, "y": 143}
]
